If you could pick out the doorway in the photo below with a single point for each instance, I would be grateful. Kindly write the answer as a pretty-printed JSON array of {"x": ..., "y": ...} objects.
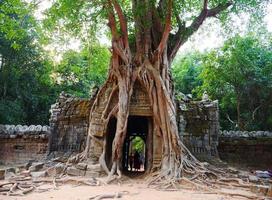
[
  {"x": 137, "y": 148},
  {"x": 135, "y": 145}
]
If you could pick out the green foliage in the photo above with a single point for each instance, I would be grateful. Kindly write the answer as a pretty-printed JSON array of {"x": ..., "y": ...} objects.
[
  {"x": 186, "y": 71},
  {"x": 78, "y": 72},
  {"x": 239, "y": 75},
  {"x": 138, "y": 144},
  {"x": 25, "y": 93},
  {"x": 85, "y": 19},
  {"x": 15, "y": 21},
  {"x": 29, "y": 81}
]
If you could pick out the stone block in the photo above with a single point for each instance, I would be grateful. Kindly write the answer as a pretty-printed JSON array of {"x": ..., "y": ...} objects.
[
  {"x": 25, "y": 173},
  {"x": 36, "y": 166},
  {"x": 38, "y": 174},
  {"x": 253, "y": 179},
  {"x": 11, "y": 169},
  {"x": 92, "y": 174},
  {"x": 82, "y": 166},
  {"x": 55, "y": 170},
  {"x": 28, "y": 164},
  {"x": 9, "y": 174},
  {"x": 75, "y": 172},
  {"x": 94, "y": 168}
]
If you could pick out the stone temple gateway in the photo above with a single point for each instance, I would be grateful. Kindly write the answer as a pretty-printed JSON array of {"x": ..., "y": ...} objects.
[
  {"x": 198, "y": 123},
  {"x": 139, "y": 124}
]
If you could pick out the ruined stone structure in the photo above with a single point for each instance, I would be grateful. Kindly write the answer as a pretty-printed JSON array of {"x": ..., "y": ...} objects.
[
  {"x": 19, "y": 144},
  {"x": 139, "y": 123},
  {"x": 198, "y": 123},
  {"x": 248, "y": 149},
  {"x": 199, "y": 127},
  {"x": 69, "y": 123}
]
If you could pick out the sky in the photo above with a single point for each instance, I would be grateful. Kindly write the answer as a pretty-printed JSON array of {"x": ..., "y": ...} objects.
[{"x": 199, "y": 41}]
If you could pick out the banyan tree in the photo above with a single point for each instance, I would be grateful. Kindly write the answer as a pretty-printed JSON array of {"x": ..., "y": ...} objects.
[{"x": 145, "y": 38}]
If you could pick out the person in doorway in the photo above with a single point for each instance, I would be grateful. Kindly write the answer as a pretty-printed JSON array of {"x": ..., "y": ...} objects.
[
  {"x": 142, "y": 160},
  {"x": 137, "y": 162},
  {"x": 131, "y": 162}
]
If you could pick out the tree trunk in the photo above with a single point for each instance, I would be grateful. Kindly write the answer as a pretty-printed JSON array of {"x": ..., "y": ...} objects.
[
  {"x": 147, "y": 61},
  {"x": 155, "y": 78}
]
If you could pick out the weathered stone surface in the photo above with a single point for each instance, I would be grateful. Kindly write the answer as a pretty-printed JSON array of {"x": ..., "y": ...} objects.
[
  {"x": 94, "y": 168},
  {"x": 253, "y": 179},
  {"x": 198, "y": 123},
  {"x": 75, "y": 172},
  {"x": 244, "y": 148},
  {"x": 69, "y": 123},
  {"x": 38, "y": 174},
  {"x": 9, "y": 174},
  {"x": 2, "y": 174},
  {"x": 92, "y": 174},
  {"x": 55, "y": 170},
  {"x": 82, "y": 166},
  {"x": 36, "y": 167},
  {"x": 25, "y": 173},
  {"x": 23, "y": 130},
  {"x": 11, "y": 169},
  {"x": 20, "y": 143},
  {"x": 29, "y": 163}
]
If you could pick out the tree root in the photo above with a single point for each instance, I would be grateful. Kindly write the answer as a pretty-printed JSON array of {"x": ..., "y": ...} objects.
[
  {"x": 109, "y": 196},
  {"x": 21, "y": 188}
]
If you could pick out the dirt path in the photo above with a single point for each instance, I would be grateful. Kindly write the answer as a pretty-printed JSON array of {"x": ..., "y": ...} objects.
[{"x": 136, "y": 191}]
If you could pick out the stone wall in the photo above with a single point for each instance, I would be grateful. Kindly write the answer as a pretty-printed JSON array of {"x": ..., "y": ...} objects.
[
  {"x": 248, "y": 149},
  {"x": 199, "y": 126},
  {"x": 19, "y": 144},
  {"x": 198, "y": 123},
  {"x": 69, "y": 123}
]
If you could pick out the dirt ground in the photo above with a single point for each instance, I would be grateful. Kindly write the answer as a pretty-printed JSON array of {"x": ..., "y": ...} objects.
[{"x": 135, "y": 190}]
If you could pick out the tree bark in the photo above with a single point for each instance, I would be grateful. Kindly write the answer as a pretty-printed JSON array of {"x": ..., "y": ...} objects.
[{"x": 149, "y": 64}]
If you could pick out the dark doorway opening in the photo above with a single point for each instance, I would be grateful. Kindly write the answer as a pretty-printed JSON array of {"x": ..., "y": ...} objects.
[
  {"x": 135, "y": 145},
  {"x": 138, "y": 139}
]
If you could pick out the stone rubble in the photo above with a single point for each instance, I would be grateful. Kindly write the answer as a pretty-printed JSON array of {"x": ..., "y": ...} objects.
[
  {"x": 245, "y": 134},
  {"x": 36, "y": 167}
]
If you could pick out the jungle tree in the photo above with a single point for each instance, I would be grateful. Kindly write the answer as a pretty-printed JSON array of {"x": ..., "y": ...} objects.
[{"x": 145, "y": 38}]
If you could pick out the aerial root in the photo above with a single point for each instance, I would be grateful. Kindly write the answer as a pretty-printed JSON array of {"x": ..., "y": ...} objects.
[
  {"x": 203, "y": 182},
  {"x": 111, "y": 196},
  {"x": 77, "y": 158},
  {"x": 199, "y": 176},
  {"x": 15, "y": 189},
  {"x": 21, "y": 188}
]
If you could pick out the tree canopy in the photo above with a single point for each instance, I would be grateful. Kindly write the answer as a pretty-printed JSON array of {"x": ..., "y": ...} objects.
[
  {"x": 176, "y": 20},
  {"x": 23, "y": 69},
  {"x": 238, "y": 75},
  {"x": 31, "y": 81},
  {"x": 145, "y": 38}
]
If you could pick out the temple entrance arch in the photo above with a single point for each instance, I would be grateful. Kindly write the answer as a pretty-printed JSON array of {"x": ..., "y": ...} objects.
[
  {"x": 137, "y": 149},
  {"x": 138, "y": 139}
]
